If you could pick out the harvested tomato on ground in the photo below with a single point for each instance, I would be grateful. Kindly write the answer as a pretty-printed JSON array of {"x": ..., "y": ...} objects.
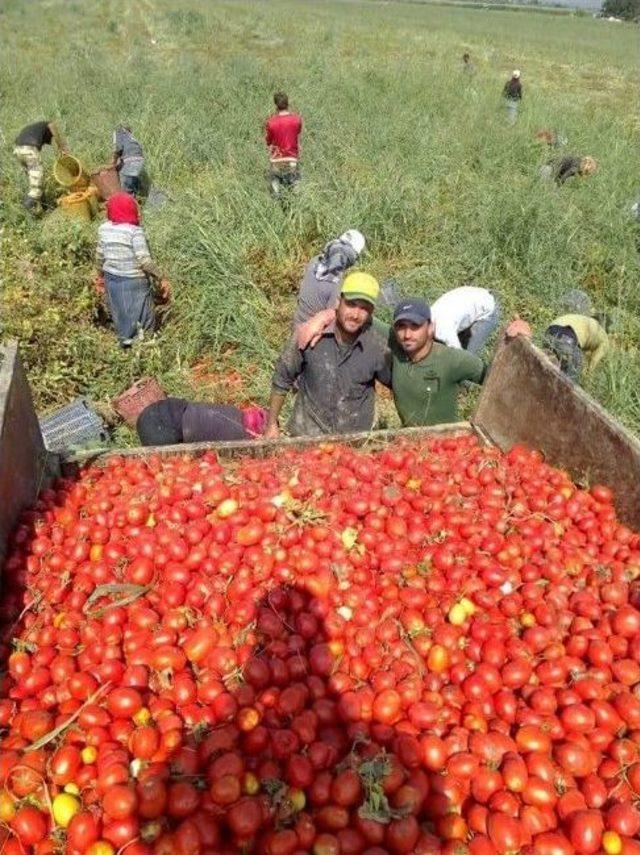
[{"x": 433, "y": 648}]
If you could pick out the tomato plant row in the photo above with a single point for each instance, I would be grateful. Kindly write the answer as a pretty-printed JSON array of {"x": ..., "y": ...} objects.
[{"x": 430, "y": 648}]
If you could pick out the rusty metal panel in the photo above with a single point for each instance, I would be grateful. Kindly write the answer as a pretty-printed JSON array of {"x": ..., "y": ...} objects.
[
  {"x": 25, "y": 465},
  {"x": 526, "y": 399},
  {"x": 371, "y": 440}
]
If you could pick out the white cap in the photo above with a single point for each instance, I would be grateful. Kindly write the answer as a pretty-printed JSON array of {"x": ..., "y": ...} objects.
[
  {"x": 355, "y": 239},
  {"x": 516, "y": 73}
]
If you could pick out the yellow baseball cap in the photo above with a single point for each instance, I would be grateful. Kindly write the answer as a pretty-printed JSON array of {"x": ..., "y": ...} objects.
[{"x": 361, "y": 286}]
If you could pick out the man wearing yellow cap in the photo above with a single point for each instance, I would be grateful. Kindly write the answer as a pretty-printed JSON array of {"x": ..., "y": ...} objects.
[{"x": 336, "y": 377}]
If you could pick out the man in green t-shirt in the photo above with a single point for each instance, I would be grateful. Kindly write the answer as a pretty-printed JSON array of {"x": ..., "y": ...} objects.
[{"x": 426, "y": 375}]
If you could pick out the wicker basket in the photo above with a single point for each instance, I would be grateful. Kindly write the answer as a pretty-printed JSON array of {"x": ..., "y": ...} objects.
[{"x": 131, "y": 403}]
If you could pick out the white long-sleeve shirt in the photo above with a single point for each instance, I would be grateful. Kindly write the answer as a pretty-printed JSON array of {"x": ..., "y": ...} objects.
[{"x": 458, "y": 309}]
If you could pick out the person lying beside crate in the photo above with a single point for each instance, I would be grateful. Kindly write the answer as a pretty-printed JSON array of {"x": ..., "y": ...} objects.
[{"x": 173, "y": 421}]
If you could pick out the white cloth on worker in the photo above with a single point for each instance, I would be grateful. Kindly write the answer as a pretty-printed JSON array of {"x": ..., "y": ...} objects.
[{"x": 459, "y": 309}]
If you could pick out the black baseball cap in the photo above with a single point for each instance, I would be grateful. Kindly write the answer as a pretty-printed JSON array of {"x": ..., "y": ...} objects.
[{"x": 414, "y": 311}]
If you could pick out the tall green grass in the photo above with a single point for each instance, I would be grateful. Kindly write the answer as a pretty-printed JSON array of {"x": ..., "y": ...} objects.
[{"x": 397, "y": 143}]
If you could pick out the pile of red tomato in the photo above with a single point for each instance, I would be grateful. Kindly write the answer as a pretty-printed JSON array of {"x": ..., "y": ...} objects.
[{"x": 426, "y": 648}]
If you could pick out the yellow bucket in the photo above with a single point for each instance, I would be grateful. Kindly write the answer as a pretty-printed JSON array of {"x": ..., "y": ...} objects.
[
  {"x": 68, "y": 172},
  {"x": 79, "y": 205}
]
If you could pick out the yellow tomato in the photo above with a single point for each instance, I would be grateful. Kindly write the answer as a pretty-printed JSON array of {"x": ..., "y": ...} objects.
[
  {"x": 142, "y": 717},
  {"x": 297, "y": 798},
  {"x": 89, "y": 755},
  {"x": 612, "y": 843},
  {"x": 250, "y": 784},
  {"x": 7, "y": 806},
  {"x": 226, "y": 508},
  {"x": 468, "y": 605},
  {"x": 65, "y": 807},
  {"x": 101, "y": 847},
  {"x": 527, "y": 619},
  {"x": 457, "y": 614}
]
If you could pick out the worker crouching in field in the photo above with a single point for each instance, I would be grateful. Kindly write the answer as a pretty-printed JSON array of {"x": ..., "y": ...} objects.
[
  {"x": 174, "y": 421},
  {"x": 128, "y": 159},
  {"x": 572, "y": 339},
  {"x": 124, "y": 259},
  {"x": 512, "y": 94},
  {"x": 28, "y": 151},
  {"x": 336, "y": 378},
  {"x": 282, "y": 135},
  {"x": 322, "y": 281},
  {"x": 565, "y": 167},
  {"x": 465, "y": 317}
]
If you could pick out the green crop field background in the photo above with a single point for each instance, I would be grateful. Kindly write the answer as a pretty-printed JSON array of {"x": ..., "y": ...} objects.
[{"x": 397, "y": 143}]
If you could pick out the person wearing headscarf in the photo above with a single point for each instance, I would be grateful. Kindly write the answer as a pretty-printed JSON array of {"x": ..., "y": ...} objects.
[
  {"x": 124, "y": 260},
  {"x": 512, "y": 93},
  {"x": 320, "y": 286},
  {"x": 173, "y": 421},
  {"x": 128, "y": 159}
]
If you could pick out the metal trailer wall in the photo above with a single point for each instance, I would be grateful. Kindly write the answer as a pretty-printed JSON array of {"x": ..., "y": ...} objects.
[
  {"x": 25, "y": 465},
  {"x": 524, "y": 400}
]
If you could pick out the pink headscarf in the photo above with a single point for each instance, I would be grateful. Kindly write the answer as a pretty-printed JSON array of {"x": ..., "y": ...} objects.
[
  {"x": 254, "y": 420},
  {"x": 123, "y": 208}
]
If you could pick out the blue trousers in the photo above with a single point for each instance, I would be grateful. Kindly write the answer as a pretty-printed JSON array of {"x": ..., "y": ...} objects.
[{"x": 131, "y": 304}]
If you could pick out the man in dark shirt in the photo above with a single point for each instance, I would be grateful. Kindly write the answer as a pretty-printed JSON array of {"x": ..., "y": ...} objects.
[
  {"x": 336, "y": 378},
  {"x": 28, "y": 148},
  {"x": 282, "y": 134},
  {"x": 128, "y": 159},
  {"x": 512, "y": 93}
]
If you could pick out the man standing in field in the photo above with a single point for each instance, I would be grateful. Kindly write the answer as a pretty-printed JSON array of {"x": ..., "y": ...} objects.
[
  {"x": 28, "y": 151},
  {"x": 282, "y": 134},
  {"x": 128, "y": 159},
  {"x": 512, "y": 93},
  {"x": 336, "y": 378}
]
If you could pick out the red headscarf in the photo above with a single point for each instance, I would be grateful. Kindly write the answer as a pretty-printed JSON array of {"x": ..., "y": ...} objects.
[
  {"x": 254, "y": 420},
  {"x": 123, "y": 208}
]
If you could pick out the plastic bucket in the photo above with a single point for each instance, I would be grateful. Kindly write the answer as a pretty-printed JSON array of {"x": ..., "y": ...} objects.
[
  {"x": 106, "y": 181},
  {"x": 68, "y": 172},
  {"x": 131, "y": 403},
  {"x": 78, "y": 204}
]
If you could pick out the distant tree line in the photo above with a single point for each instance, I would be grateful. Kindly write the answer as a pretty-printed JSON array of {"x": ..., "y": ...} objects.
[{"x": 629, "y": 10}]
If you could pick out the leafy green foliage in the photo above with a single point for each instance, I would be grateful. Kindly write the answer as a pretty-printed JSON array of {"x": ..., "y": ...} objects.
[
  {"x": 628, "y": 10},
  {"x": 398, "y": 143}
]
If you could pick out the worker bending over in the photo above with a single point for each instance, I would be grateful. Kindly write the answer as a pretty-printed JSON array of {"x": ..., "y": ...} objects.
[
  {"x": 566, "y": 167},
  {"x": 465, "y": 317},
  {"x": 572, "y": 339},
  {"x": 282, "y": 135},
  {"x": 128, "y": 159},
  {"x": 322, "y": 281},
  {"x": 335, "y": 378},
  {"x": 173, "y": 421},
  {"x": 28, "y": 151}
]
